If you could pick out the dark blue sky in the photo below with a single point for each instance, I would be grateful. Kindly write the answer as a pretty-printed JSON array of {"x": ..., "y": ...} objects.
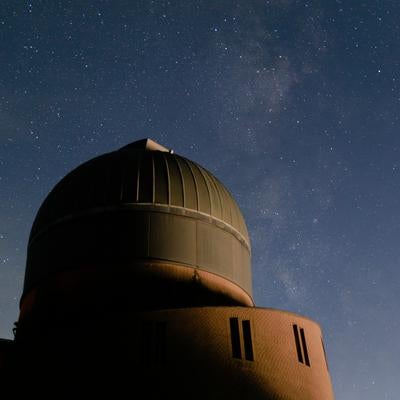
[{"x": 294, "y": 105}]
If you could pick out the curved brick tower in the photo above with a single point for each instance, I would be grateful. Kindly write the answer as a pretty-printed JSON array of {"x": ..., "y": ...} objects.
[{"x": 138, "y": 280}]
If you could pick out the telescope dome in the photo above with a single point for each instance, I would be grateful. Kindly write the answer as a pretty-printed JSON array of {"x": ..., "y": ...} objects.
[{"x": 142, "y": 213}]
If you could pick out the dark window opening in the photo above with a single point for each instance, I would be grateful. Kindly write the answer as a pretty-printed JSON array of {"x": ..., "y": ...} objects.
[
  {"x": 301, "y": 345},
  {"x": 303, "y": 341},
  {"x": 297, "y": 340},
  {"x": 248, "y": 345},
  {"x": 235, "y": 338}
]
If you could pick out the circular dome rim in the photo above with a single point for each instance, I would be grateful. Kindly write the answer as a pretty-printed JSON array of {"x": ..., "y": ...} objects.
[{"x": 141, "y": 150}]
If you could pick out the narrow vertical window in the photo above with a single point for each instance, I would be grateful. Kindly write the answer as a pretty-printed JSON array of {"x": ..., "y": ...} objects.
[
  {"x": 248, "y": 345},
  {"x": 301, "y": 345},
  {"x": 297, "y": 340},
  {"x": 235, "y": 338},
  {"x": 303, "y": 342}
]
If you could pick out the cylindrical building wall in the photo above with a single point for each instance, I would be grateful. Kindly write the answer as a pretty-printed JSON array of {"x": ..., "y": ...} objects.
[{"x": 197, "y": 353}]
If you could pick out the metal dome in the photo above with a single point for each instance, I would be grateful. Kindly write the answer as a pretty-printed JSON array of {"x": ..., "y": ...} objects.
[
  {"x": 142, "y": 172},
  {"x": 142, "y": 202}
]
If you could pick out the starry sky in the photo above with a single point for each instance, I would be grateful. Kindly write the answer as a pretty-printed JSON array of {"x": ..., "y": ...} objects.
[{"x": 294, "y": 105}]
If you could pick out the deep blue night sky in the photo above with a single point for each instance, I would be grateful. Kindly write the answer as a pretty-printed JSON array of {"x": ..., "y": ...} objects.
[{"x": 294, "y": 105}]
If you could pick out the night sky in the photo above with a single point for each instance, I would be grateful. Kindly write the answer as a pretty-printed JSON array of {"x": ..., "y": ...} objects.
[{"x": 294, "y": 105}]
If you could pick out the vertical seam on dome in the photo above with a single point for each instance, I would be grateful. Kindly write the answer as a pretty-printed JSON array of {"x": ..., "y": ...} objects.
[
  {"x": 182, "y": 180},
  {"x": 195, "y": 184},
  {"x": 168, "y": 179},
  {"x": 229, "y": 197},
  {"x": 208, "y": 189},
  {"x": 212, "y": 179}
]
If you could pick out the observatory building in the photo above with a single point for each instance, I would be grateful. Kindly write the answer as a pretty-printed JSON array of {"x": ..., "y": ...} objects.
[{"x": 138, "y": 285}]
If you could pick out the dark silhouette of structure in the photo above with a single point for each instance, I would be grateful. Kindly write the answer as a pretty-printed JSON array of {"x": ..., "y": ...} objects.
[{"x": 138, "y": 280}]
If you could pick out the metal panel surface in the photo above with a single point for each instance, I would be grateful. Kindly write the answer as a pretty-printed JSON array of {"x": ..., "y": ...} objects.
[
  {"x": 190, "y": 189},
  {"x": 161, "y": 179},
  {"x": 172, "y": 238},
  {"x": 176, "y": 183},
  {"x": 146, "y": 179},
  {"x": 214, "y": 250},
  {"x": 203, "y": 199}
]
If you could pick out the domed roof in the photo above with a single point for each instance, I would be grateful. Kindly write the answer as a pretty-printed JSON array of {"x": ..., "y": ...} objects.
[
  {"x": 142, "y": 172},
  {"x": 142, "y": 205}
]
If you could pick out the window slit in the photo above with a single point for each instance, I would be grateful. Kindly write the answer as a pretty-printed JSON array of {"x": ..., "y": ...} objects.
[
  {"x": 235, "y": 338},
  {"x": 298, "y": 346},
  {"x": 248, "y": 345},
  {"x": 303, "y": 341}
]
